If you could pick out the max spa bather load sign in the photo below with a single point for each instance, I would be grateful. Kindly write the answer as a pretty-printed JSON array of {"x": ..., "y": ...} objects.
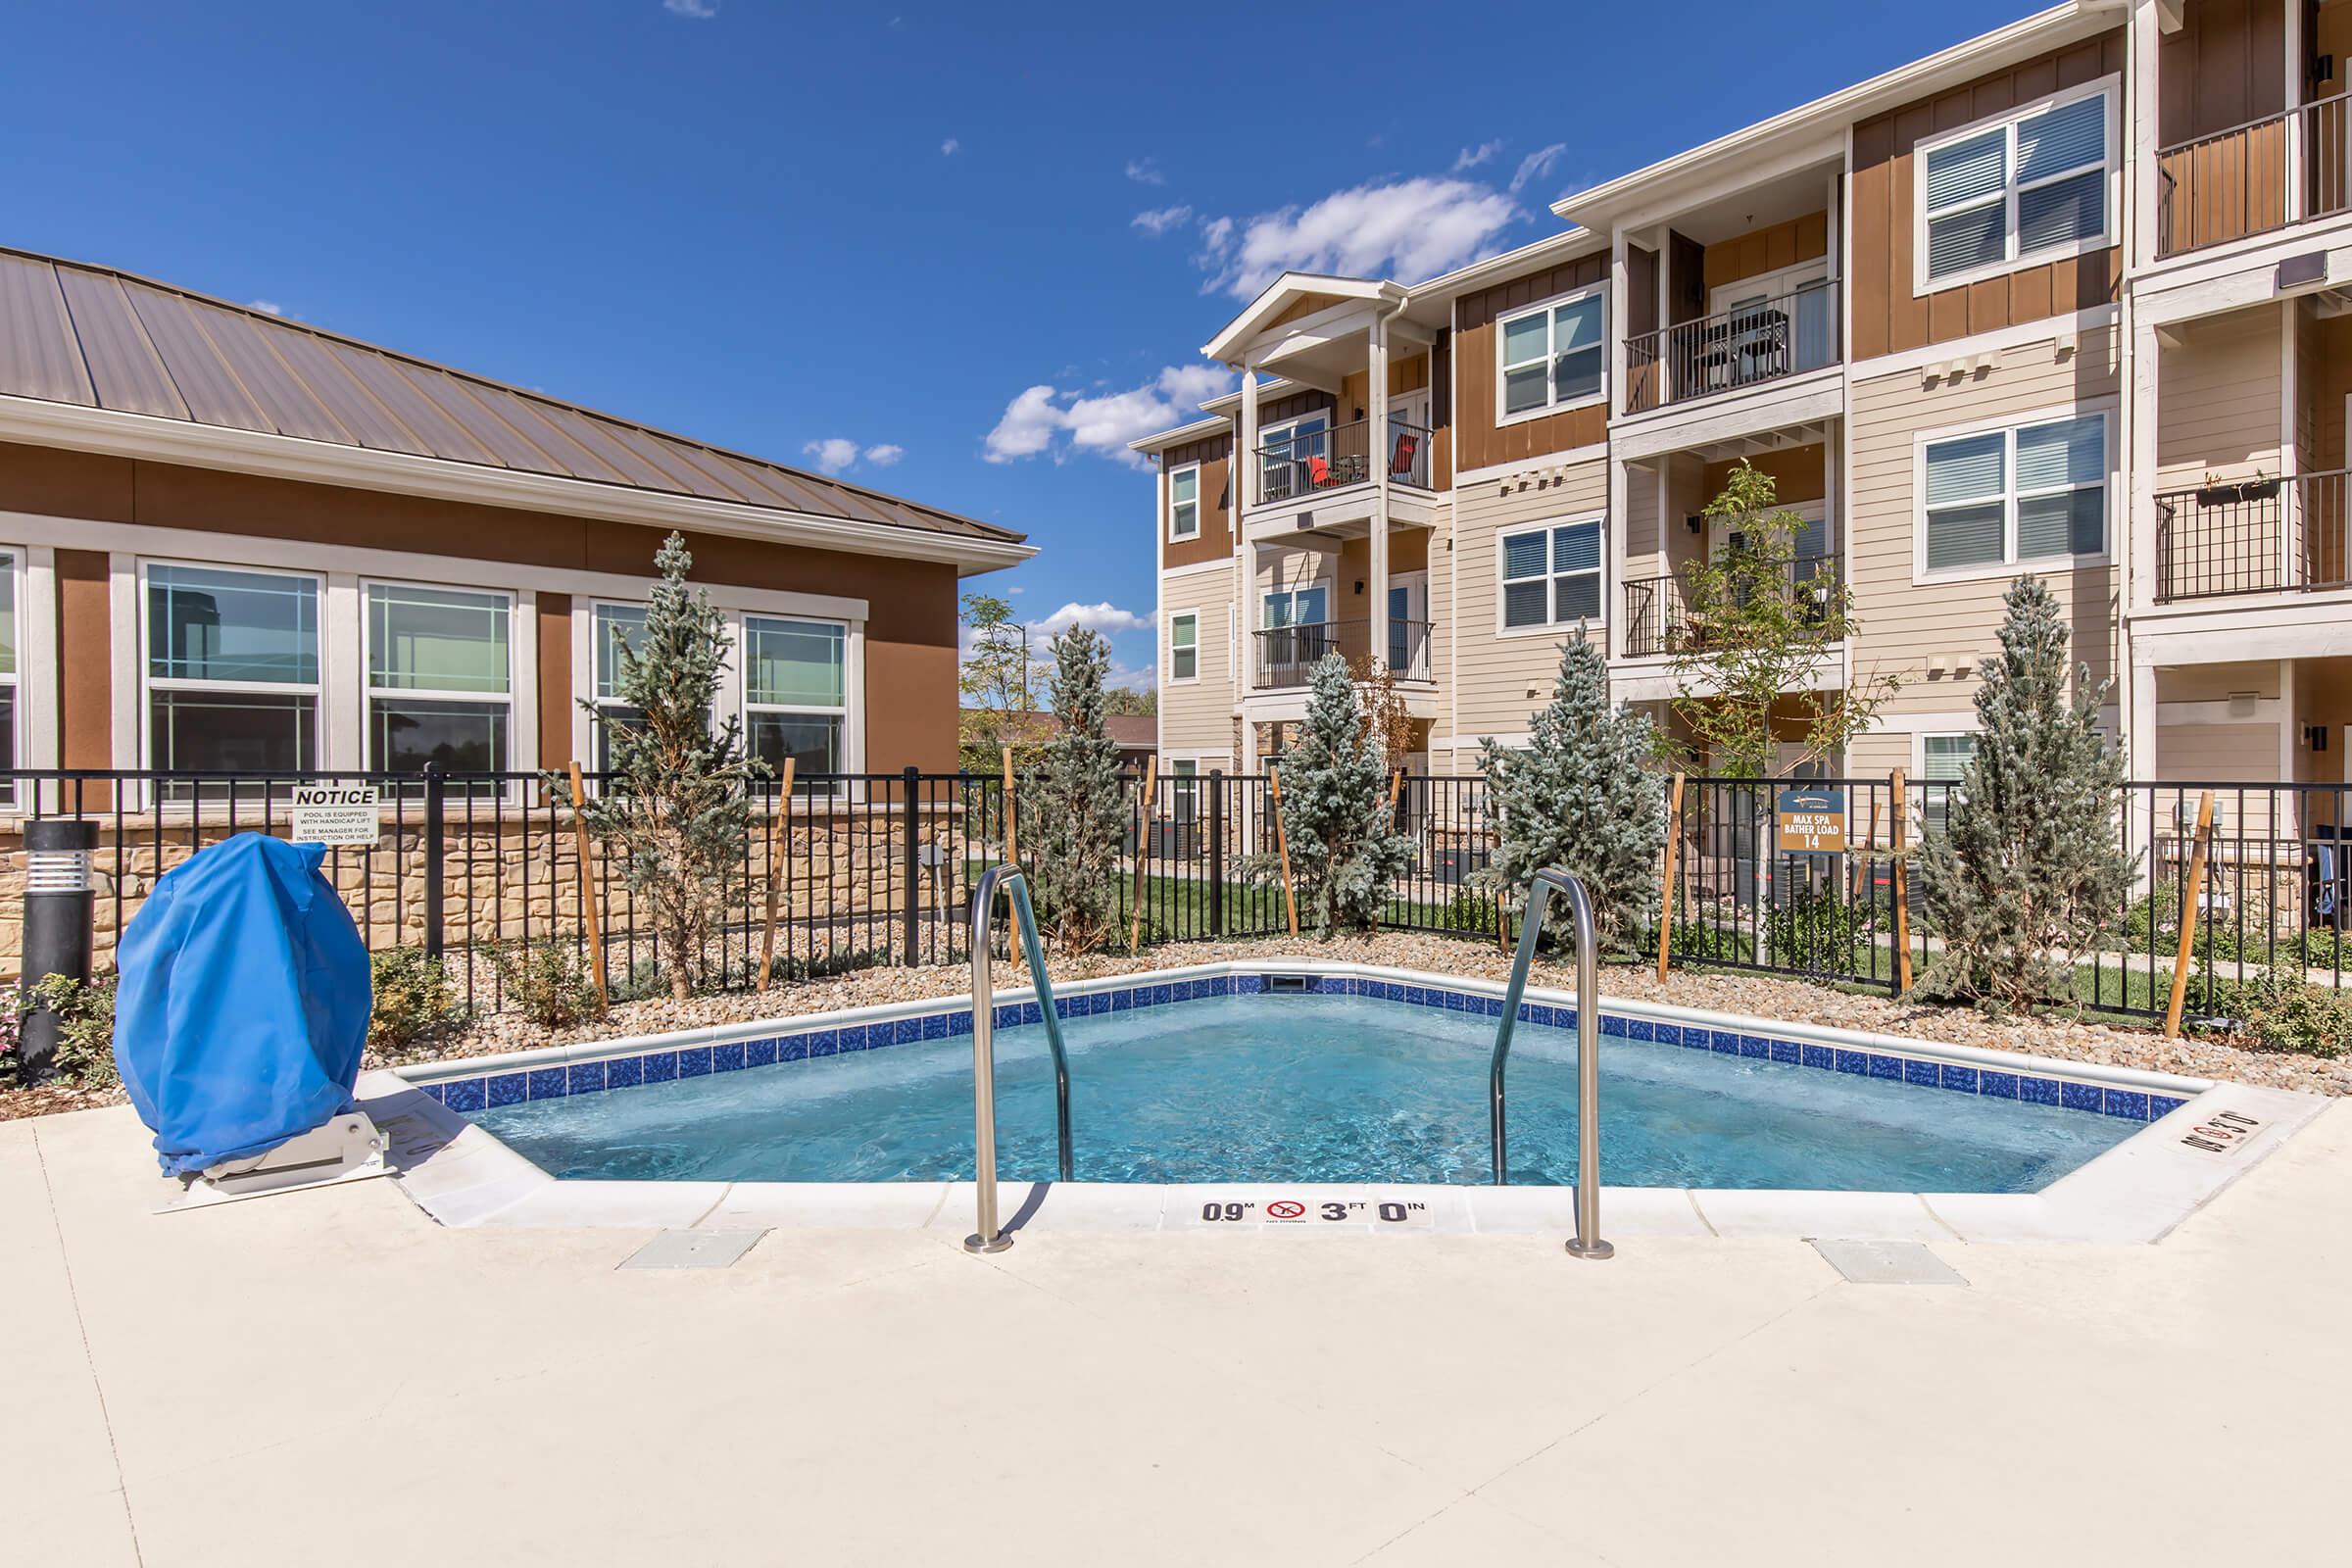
[{"x": 1812, "y": 822}]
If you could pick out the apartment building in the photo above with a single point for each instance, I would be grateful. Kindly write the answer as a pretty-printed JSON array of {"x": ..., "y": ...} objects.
[{"x": 2065, "y": 299}]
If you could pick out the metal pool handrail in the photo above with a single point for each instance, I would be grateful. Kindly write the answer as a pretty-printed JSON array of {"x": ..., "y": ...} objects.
[
  {"x": 1588, "y": 1242},
  {"x": 1007, "y": 878}
]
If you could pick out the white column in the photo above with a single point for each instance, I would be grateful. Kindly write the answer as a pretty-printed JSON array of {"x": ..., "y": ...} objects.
[
  {"x": 2144, "y": 387},
  {"x": 2140, "y": 134},
  {"x": 1376, "y": 444},
  {"x": 343, "y": 678},
  {"x": 1245, "y": 455}
]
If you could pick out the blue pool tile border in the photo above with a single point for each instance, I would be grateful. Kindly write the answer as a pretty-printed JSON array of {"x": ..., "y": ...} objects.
[{"x": 486, "y": 1091}]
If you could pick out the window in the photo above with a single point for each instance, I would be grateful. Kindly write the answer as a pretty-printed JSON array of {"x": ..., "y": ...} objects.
[
  {"x": 1283, "y": 454},
  {"x": 1943, "y": 760},
  {"x": 1183, "y": 649},
  {"x": 2033, "y": 184},
  {"x": 7, "y": 670},
  {"x": 439, "y": 679},
  {"x": 1296, "y": 607},
  {"x": 1551, "y": 575},
  {"x": 1551, "y": 357},
  {"x": 1184, "y": 502},
  {"x": 232, "y": 669},
  {"x": 617, "y": 627},
  {"x": 796, "y": 693},
  {"x": 1186, "y": 773},
  {"x": 2037, "y": 492}
]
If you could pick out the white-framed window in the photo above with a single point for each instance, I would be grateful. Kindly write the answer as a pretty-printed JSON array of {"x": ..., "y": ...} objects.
[
  {"x": 1994, "y": 499},
  {"x": 1184, "y": 502},
  {"x": 440, "y": 679},
  {"x": 1552, "y": 355},
  {"x": 795, "y": 685},
  {"x": 1184, "y": 774},
  {"x": 1298, "y": 606},
  {"x": 12, "y": 573},
  {"x": 1942, "y": 762},
  {"x": 615, "y": 627},
  {"x": 231, "y": 667},
  {"x": 1184, "y": 645},
  {"x": 1287, "y": 455},
  {"x": 2037, "y": 182},
  {"x": 1549, "y": 575}
]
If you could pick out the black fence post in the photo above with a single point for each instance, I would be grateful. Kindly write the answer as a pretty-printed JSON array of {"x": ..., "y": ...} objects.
[
  {"x": 59, "y": 908},
  {"x": 915, "y": 854},
  {"x": 435, "y": 855},
  {"x": 1216, "y": 852}
]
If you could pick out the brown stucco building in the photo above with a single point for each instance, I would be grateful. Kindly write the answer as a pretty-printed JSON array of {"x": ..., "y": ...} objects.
[{"x": 232, "y": 541}]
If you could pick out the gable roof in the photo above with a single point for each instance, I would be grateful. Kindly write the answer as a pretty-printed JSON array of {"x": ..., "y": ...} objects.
[{"x": 101, "y": 338}]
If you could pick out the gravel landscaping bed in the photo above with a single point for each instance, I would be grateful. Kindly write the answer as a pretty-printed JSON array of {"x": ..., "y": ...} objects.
[{"x": 1756, "y": 996}]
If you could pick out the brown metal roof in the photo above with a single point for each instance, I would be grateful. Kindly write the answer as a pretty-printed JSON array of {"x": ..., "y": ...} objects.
[{"x": 106, "y": 339}]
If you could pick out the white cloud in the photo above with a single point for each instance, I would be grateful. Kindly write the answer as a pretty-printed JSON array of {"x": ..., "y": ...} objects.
[
  {"x": 1146, "y": 171},
  {"x": 885, "y": 453},
  {"x": 1134, "y": 677},
  {"x": 833, "y": 454},
  {"x": 267, "y": 306},
  {"x": 700, "y": 10},
  {"x": 1047, "y": 418},
  {"x": 1160, "y": 220},
  {"x": 1104, "y": 617},
  {"x": 1472, "y": 157},
  {"x": 950, "y": 148},
  {"x": 1409, "y": 230},
  {"x": 1536, "y": 165}
]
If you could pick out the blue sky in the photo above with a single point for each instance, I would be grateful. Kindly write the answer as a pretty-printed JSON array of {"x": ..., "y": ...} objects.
[{"x": 962, "y": 253}]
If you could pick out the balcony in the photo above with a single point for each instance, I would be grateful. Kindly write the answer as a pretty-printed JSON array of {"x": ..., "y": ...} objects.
[
  {"x": 1660, "y": 618},
  {"x": 1286, "y": 657},
  {"x": 2255, "y": 537},
  {"x": 2256, "y": 178},
  {"x": 1310, "y": 461},
  {"x": 1753, "y": 343}
]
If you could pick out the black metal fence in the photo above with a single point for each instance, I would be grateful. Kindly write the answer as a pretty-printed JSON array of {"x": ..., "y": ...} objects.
[{"x": 858, "y": 870}]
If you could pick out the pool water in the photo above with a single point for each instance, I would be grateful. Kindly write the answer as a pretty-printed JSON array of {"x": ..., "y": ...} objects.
[{"x": 1310, "y": 1089}]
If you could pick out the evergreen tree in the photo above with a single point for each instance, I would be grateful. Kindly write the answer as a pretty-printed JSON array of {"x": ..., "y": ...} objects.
[
  {"x": 1080, "y": 812},
  {"x": 1581, "y": 796},
  {"x": 1345, "y": 851},
  {"x": 2027, "y": 872},
  {"x": 677, "y": 810}
]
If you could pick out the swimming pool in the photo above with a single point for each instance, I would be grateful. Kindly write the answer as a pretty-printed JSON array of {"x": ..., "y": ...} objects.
[{"x": 1357, "y": 1080}]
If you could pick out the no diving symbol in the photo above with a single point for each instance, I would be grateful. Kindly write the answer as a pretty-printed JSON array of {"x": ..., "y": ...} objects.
[{"x": 1286, "y": 1208}]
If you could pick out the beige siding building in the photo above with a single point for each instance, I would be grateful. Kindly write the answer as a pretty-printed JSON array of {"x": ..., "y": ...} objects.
[{"x": 2072, "y": 299}]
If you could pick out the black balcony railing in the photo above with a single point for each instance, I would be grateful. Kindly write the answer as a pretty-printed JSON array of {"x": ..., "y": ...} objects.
[
  {"x": 2255, "y": 177},
  {"x": 1287, "y": 655},
  {"x": 1660, "y": 618},
  {"x": 1302, "y": 462},
  {"x": 1753, "y": 342},
  {"x": 2253, "y": 536}
]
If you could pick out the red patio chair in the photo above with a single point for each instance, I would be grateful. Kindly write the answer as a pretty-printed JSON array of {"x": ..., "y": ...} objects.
[
  {"x": 1318, "y": 472},
  {"x": 1408, "y": 447}
]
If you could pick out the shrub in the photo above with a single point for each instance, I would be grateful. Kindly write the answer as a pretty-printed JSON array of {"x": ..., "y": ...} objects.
[
  {"x": 85, "y": 1036},
  {"x": 414, "y": 999},
  {"x": 1704, "y": 942},
  {"x": 828, "y": 967},
  {"x": 1344, "y": 850},
  {"x": 1813, "y": 930},
  {"x": 1581, "y": 796},
  {"x": 546, "y": 981},
  {"x": 679, "y": 806},
  {"x": 2028, "y": 875},
  {"x": 1079, "y": 807},
  {"x": 2287, "y": 1013}
]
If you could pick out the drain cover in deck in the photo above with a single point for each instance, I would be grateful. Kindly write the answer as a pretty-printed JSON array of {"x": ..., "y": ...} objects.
[
  {"x": 693, "y": 1249},
  {"x": 1888, "y": 1263}
]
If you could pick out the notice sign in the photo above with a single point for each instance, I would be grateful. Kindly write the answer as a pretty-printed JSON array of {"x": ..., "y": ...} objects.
[
  {"x": 334, "y": 814},
  {"x": 1812, "y": 822}
]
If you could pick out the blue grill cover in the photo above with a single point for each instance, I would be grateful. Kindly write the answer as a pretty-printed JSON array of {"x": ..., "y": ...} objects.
[{"x": 243, "y": 1004}]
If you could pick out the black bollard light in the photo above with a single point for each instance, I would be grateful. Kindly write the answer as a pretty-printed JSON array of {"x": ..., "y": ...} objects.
[{"x": 59, "y": 909}]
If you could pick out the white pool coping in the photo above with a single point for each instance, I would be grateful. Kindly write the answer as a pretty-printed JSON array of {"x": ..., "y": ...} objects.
[{"x": 2136, "y": 1193}]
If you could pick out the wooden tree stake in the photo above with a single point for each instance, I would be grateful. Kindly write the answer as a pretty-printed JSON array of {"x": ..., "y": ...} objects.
[
  {"x": 1674, "y": 834},
  {"x": 1013, "y": 851},
  {"x": 1143, "y": 840},
  {"x": 1895, "y": 835},
  {"x": 596, "y": 925},
  {"x": 2188, "y": 915},
  {"x": 1282, "y": 842},
  {"x": 768, "y": 936}
]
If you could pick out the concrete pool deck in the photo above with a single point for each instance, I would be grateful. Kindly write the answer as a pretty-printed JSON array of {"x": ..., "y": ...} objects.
[{"x": 331, "y": 1374}]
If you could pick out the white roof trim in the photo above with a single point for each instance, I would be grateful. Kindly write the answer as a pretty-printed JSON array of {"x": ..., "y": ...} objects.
[
  {"x": 1179, "y": 435},
  {"x": 38, "y": 422},
  {"x": 1226, "y": 345},
  {"x": 1973, "y": 56}
]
